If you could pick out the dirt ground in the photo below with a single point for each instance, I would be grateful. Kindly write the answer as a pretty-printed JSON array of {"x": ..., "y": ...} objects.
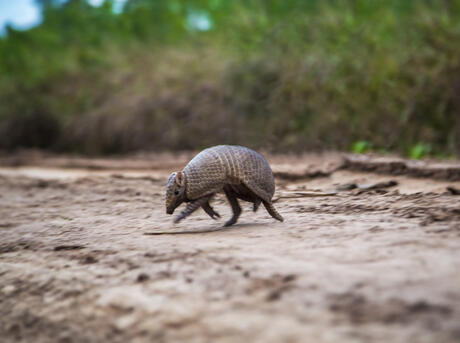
[{"x": 88, "y": 254}]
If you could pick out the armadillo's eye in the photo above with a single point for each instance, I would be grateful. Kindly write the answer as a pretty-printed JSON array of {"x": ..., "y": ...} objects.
[{"x": 176, "y": 192}]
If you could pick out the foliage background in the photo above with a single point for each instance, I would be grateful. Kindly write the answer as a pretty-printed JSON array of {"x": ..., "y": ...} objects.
[{"x": 283, "y": 75}]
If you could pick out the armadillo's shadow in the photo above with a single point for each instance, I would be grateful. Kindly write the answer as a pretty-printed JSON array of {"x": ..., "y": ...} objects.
[{"x": 209, "y": 230}]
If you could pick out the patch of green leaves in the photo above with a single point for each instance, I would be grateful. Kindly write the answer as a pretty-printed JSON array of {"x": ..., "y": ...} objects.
[
  {"x": 420, "y": 150},
  {"x": 360, "y": 147}
]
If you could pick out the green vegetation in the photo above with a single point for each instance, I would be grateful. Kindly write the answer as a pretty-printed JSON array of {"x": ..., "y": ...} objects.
[
  {"x": 361, "y": 147},
  {"x": 284, "y": 75},
  {"x": 420, "y": 150}
]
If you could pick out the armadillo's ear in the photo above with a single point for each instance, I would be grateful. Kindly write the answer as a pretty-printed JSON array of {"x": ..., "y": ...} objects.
[{"x": 180, "y": 179}]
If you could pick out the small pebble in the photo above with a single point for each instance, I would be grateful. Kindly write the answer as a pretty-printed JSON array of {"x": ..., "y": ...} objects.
[{"x": 142, "y": 277}]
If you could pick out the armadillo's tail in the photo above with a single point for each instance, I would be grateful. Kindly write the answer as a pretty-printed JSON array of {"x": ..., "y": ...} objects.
[{"x": 272, "y": 210}]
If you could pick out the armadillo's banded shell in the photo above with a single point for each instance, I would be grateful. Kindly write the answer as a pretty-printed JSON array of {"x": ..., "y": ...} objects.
[{"x": 212, "y": 168}]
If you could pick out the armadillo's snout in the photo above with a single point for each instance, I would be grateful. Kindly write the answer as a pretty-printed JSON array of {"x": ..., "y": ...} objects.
[{"x": 170, "y": 207}]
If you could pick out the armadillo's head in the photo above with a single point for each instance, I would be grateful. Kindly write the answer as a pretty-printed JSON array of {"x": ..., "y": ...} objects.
[{"x": 175, "y": 191}]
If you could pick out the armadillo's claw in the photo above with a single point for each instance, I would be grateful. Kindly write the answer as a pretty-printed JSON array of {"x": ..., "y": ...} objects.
[
  {"x": 231, "y": 221},
  {"x": 210, "y": 211},
  {"x": 178, "y": 218},
  {"x": 215, "y": 215}
]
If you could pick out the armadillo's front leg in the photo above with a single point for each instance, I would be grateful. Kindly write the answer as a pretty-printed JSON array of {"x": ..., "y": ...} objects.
[
  {"x": 209, "y": 210},
  {"x": 191, "y": 207}
]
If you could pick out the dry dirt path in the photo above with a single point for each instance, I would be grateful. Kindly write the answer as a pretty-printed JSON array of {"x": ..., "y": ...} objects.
[{"x": 80, "y": 262}]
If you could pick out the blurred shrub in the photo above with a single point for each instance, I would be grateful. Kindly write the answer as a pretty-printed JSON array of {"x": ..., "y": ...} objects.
[
  {"x": 361, "y": 147},
  {"x": 286, "y": 75},
  {"x": 30, "y": 130},
  {"x": 420, "y": 150}
]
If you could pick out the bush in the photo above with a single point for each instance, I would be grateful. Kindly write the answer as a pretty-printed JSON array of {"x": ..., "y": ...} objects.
[
  {"x": 285, "y": 75},
  {"x": 35, "y": 130}
]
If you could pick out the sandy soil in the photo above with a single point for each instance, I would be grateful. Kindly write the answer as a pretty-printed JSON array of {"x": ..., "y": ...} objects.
[{"x": 84, "y": 258}]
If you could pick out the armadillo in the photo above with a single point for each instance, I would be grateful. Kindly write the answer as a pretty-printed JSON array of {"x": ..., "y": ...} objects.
[{"x": 239, "y": 172}]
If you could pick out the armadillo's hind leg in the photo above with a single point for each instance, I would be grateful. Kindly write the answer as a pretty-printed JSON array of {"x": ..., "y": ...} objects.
[
  {"x": 192, "y": 207},
  {"x": 235, "y": 206},
  {"x": 209, "y": 210},
  {"x": 256, "y": 204},
  {"x": 272, "y": 210}
]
